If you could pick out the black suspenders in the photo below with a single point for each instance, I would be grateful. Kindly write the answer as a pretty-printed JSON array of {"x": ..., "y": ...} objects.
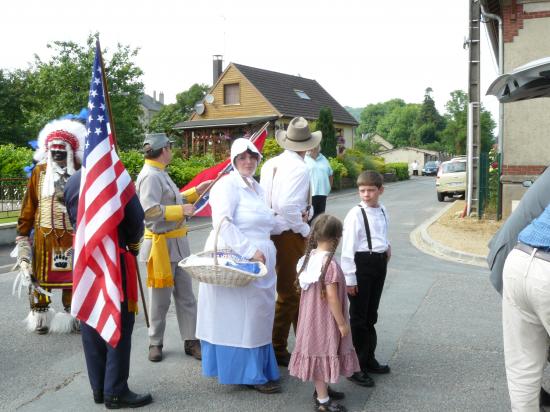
[{"x": 367, "y": 228}]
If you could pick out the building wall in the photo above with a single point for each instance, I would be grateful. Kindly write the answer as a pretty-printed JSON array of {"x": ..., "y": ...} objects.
[
  {"x": 252, "y": 103},
  {"x": 406, "y": 156},
  {"x": 526, "y": 148}
]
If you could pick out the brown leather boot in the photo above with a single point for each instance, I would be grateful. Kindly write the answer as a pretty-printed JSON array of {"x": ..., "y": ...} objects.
[
  {"x": 155, "y": 353},
  {"x": 193, "y": 348}
]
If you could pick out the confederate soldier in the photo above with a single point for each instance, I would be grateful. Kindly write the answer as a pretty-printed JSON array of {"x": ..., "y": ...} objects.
[
  {"x": 285, "y": 179},
  {"x": 108, "y": 367},
  {"x": 59, "y": 154},
  {"x": 165, "y": 244}
]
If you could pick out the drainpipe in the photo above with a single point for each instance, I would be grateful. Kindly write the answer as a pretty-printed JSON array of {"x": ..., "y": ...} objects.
[
  {"x": 501, "y": 105},
  {"x": 500, "y": 72}
]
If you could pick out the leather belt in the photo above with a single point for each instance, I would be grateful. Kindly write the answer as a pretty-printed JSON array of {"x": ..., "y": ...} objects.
[{"x": 529, "y": 250}]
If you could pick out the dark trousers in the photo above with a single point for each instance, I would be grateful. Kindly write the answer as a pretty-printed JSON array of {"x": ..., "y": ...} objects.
[
  {"x": 290, "y": 248},
  {"x": 363, "y": 308},
  {"x": 108, "y": 367},
  {"x": 319, "y": 204}
]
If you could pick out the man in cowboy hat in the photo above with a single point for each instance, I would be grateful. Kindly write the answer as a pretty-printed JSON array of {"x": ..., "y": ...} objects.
[{"x": 285, "y": 179}]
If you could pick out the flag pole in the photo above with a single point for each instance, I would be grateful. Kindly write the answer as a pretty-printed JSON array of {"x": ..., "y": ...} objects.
[
  {"x": 220, "y": 175},
  {"x": 112, "y": 125}
]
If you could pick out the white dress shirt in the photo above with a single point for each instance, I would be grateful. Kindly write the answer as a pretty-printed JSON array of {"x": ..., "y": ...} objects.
[
  {"x": 287, "y": 192},
  {"x": 354, "y": 238}
]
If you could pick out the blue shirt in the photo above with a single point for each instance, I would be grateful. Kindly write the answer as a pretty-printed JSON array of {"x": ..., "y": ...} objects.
[
  {"x": 537, "y": 234},
  {"x": 319, "y": 171}
]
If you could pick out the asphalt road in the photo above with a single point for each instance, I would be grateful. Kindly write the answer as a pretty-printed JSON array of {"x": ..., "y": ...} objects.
[{"x": 439, "y": 329}]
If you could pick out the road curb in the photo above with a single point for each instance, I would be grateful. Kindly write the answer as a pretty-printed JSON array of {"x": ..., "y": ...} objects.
[{"x": 420, "y": 238}]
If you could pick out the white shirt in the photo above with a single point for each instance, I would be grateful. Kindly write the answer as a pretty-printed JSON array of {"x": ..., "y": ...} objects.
[
  {"x": 354, "y": 238},
  {"x": 287, "y": 193}
]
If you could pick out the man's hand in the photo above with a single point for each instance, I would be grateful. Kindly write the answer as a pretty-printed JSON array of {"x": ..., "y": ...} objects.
[
  {"x": 352, "y": 290},
  {"x": 258, "y": 257},
  {"x": 188, "y": 209},
  {"x": 388, "y": 253},
  {"x": 201, "y": 187}
]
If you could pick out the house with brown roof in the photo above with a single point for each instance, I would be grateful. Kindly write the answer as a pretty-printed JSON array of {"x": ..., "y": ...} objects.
[
  {"x": 525, "y": 148},
  {"x": 243, "y": 98}
]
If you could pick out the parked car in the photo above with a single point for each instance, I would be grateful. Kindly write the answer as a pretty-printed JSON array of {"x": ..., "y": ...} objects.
[
  {"x": 430, "y": 168},
  {"x": 451, "y": 179}
]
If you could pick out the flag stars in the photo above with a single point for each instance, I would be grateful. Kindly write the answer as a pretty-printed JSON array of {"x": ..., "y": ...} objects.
[
  {"x": 102, "y": 106},
  {"x": 91, "y": 105},
  {"x": 96, "y": 80},
  {"x": 100, "y": 118},
  {"x": 97, "y": 131},
  {"x": 87, "y": 144},
  {"x": 93, "y": 93}
]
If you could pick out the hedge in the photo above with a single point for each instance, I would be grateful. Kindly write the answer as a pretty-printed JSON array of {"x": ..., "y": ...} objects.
[{"x": 401, "y": 170}]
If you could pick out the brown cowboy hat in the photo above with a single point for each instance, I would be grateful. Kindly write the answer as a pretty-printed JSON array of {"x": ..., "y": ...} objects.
[{"x": 297, "y": 137}]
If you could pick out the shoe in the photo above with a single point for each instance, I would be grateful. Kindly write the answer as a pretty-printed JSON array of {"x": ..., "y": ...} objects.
[
  {"x": 98, "y": 396},
  {"x": 268, "y": 387},
  {"x": 193, "y": 348},
  {"x": 337, "y": 396},
  {"x": 374, "y": 367},
  {"x": 544, "y": 398},
  {"x": 128, "y": 400},
  {"x": 283, "y": 360},
  {"x": 329, "y": 406},
  {"x": 362, "y": 379},
  {"x": 155, "y": 353},
  {"x": 41, "y": 329}
]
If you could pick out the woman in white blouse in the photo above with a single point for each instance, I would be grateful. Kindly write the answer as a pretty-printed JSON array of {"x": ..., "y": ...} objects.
[{"x": 235, "y": 324}]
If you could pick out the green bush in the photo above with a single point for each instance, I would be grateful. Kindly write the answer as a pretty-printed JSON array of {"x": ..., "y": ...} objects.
[
  {"x": 357, "y": 161},
  {"x": 132, "y": 161},
  {"x": 401, "y": 170},
  {"x": 182, "y": 171},
  {"x": 13, "y": 160},
  {"x": 337, "y": 167}
]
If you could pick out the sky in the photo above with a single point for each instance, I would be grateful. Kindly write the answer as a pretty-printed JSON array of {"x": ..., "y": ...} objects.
[{"x": 360, "y": 51}]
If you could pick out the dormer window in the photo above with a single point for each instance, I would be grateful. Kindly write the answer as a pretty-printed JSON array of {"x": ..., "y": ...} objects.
[
  {"x": 301, "y": 94},
  {"x": 231, "y": 93}
]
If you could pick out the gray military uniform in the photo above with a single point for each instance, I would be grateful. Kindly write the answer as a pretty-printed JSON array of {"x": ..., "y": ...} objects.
[{"x": 156, "y": 190}]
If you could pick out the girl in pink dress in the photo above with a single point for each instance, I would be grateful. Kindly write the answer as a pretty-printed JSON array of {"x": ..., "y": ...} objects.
[{"x": 324, "y": 349}]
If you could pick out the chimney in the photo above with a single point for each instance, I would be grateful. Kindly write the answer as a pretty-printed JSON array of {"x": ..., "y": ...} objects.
[
  {"x": 161, "y": 97},
  {"x": 155, "y": 95},
  {"x": 217, "y": 67}
]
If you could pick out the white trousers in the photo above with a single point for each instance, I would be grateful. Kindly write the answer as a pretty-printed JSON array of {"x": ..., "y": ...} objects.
[
  {"x": 525, "y": 324},
  {"x": 185, "y": 302}
]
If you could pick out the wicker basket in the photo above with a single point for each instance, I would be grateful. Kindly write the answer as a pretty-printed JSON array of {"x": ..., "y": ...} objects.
[{"x": 221, "y": 275}]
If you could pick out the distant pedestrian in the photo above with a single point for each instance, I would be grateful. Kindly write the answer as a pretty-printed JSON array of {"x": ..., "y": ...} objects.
[
  {"x": 321, "y": 179},
  {"x": 365, "y": 255},
  {"x": 324, "y": 349},
  {"x": 414, "y": 167}
]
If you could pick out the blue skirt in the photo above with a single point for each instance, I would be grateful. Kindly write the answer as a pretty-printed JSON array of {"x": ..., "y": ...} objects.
[{"x": 239, "y": 366}]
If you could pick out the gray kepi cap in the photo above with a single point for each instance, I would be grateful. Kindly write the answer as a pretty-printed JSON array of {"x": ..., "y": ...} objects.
[{"x": 156, "y": 141}]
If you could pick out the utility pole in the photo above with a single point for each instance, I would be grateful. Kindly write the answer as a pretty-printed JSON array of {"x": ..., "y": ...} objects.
[{"x": 474, "y": 132}]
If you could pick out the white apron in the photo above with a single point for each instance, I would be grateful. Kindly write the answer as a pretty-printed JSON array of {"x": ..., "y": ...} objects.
[{"x": 243, "y": 316}]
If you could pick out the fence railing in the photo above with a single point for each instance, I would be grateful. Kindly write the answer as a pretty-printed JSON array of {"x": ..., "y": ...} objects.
[{"x": 12, "y": 191}]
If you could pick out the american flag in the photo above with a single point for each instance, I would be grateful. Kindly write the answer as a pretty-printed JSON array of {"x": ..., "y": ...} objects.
[{"x": 105, "y": 188}]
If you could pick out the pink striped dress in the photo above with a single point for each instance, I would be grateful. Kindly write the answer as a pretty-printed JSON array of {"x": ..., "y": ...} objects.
[{"x": 320, "y": 352}]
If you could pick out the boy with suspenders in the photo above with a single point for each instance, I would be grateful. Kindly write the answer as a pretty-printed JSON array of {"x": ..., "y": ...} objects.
[{"x": 365, "y": 255}]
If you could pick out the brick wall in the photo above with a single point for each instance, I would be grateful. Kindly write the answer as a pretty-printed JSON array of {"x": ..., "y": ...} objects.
[
  {"x": 522, "y": 170},
  {"x": 513, "y": 16}
]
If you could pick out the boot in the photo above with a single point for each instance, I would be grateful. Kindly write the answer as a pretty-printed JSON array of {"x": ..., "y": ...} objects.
[
  {"x": 39, "y": 319},
  {"x": 193, "y": 348}
]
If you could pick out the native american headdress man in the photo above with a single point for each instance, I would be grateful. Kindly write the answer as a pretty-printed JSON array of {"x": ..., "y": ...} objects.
[
  {"x": 61, "y": 146},
  {"x": 45, "y": 260}
]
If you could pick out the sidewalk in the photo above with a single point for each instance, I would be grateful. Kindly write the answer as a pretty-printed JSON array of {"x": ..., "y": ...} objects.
[{"x": 421, "y": 239}]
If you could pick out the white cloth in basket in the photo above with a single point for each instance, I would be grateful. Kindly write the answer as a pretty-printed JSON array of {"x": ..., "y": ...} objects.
[
  {"x": 240, "y": 317},
  {"x": 253, "y": 268}
]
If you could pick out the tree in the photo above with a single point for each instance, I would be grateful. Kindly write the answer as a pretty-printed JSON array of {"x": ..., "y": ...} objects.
[
  {"x": 429, "y": 122},
  {"x": 12, "y": 103},
  {"x": 180, "y": 111},
  {"x": 326, "y": 125},
  {"x": 453, "y": 137},
  {"x": 397, "y": 126},
  {"x": 61, "y": 85},
  {"x": 373, "y": 113}
]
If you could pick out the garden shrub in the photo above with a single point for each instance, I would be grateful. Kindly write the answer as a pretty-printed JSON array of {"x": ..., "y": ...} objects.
[
  {"x": 400, "y": 169},
  {"x": 13, "y": 161}
]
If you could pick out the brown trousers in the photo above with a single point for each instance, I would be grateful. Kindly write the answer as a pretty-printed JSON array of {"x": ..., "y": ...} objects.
[{"x": 290, "y": 248}]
